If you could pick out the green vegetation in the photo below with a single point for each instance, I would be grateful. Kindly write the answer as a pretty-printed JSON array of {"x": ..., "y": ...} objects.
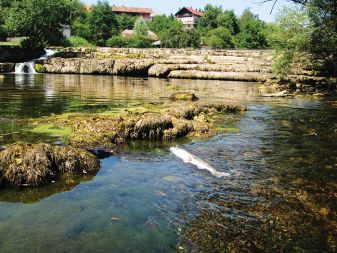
[
  {"x": 75, "y": 41},
  {"x": 310, "y": 29}
]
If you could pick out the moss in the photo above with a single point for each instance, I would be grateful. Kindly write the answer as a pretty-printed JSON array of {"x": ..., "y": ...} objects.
[
  {"x": 25, "y": 164},
  {"x": 52, "y": 130},
  {"x": 136, "y": 122},
  {"x": 183, "y": 96},
  {"x": 40, "y": 68}
]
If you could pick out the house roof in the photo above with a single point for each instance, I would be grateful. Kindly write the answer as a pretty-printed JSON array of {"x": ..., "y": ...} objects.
[
  {"x": 191, "y": 10},
  {"x": 131, "y": 9}
]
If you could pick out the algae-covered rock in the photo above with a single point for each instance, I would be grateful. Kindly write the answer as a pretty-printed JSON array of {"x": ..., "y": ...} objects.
[
  {"x": 25, "y": 164},
  {"x": 151, "y": 127},
  {"x": 183, "y": 96},
  {"x": 164, "y": 122}
]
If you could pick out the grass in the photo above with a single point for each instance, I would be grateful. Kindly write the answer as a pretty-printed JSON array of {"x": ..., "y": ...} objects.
[{"x": 52, "y": 130}]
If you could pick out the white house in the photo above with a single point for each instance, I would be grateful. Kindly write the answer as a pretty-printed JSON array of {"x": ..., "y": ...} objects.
[{"x": 189, "y": 17}]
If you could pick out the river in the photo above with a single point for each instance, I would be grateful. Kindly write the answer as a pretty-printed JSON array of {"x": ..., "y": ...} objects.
[{"x": 280, "y": 196}]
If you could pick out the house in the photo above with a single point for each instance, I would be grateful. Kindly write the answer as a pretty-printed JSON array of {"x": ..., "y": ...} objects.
[
  {"x": 150, "y": 35},
  {"x": 189, "y": 17},
  {"x": 145, "y": 13}
]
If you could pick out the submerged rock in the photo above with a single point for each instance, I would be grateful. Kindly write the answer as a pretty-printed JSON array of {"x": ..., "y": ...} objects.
[{"x": 25, "y": 164}]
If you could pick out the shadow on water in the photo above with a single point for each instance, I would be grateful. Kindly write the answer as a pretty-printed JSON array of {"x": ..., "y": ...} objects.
[{"x": 64, "y": 183}]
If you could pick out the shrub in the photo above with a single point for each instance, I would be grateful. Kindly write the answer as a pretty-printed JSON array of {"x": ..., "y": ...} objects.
[
  {"x": 3, "y": 33},
  {"x": 75, "y": 41},
  {"x": 219, "y": 38},
  {"x": 116, "y": 41},
  {"x": 136, "y": 42}
]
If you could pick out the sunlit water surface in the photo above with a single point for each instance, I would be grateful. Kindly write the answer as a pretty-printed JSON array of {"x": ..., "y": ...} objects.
[{"x": 280, "y": 197}]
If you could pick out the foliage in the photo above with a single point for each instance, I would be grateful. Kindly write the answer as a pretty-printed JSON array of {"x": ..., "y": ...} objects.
[
  {"x": 116, "y": 41},
  {"x": 161, "y": 24},
  {"x": 3, "y": 33},
  {"x": 176, "y": 37},
  {"x": 323, "y": 41},
  {"x": 133, "y": 42},
  {"x": 38, "y": 19},
  {"x": 228, "y": 20},
  {"x": 253, "y": 32},
  {"x": 102, "y": 23},
  {"x": 211, "y": 13},
  {"x": 125, "y": 22},
  {"x": 81, "y": 28},
  {"x": 219, "y": 38},
  {"x": 140, "y": 28},
  {"x": 75, "y": 41}
]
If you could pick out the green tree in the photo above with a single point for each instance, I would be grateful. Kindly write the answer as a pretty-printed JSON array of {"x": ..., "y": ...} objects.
[
  {"x": 141, "y": 28},
  {"x": 253, "y": 32},
  {"x": 220, "y": 37},
  {"x": 209, "y": 19},
  {"x": 229, "y": 20},
  {"x": 125, "y": 22},
  {"x": 102, "y": 23},
  {"x": 41, "y": 20}
]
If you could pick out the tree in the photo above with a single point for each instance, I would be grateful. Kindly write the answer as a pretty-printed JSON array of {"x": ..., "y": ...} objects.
[
  {"x": 176, "y": 37},
  {"x": 141, "y": 28},
  {"x": 229, "y": 20},
  {"x": 102, "y": 23},
  {"x": 125, "y": 22},
  {"x": 160, "y": 24},
  {"x": 209, "y": 19},
  {"x": 220, "y": 37},
  {"x": 41, "y": 20},
  {"x": 253, "y": 32}
]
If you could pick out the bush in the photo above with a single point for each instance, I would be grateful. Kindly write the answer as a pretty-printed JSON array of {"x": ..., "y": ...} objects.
[
  {"x": 219, "y": 38},
  {"x": 3, "y": 33},
  {"x": 75, "y": 41},
  {"x": 133, "y": 42},
  {"x": 137, "y": 42},
  {"x": 32, "y": 43},
  {"x": 116, "y": 41}
]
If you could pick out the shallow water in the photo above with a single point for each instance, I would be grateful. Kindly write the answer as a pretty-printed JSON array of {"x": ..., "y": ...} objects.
[{"x": 280, "y": 197}]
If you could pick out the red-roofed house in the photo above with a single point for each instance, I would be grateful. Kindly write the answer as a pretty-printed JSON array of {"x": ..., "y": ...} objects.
[
  {"x": 145, "y": 13},
  {"x": 189, "y": 17}
]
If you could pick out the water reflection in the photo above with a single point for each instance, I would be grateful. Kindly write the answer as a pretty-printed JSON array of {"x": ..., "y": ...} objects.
[
  {"x": 65, "y": 183},
  {"x": 38, "y": 95}
]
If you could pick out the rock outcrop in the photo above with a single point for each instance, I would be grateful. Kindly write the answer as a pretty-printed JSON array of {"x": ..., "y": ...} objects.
[{"x": 240, "y": 65}]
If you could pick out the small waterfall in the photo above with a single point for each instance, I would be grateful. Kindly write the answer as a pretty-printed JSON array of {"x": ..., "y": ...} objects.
[
  {"x": 25, "y": 68},
  {"x": 28, "y": 67}
]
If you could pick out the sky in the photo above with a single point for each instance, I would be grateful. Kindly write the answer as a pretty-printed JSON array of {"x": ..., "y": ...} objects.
[{"x": 172, "y": 6}]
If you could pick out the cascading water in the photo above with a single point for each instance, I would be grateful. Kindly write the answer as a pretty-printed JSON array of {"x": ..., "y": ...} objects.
[
  {"x": 25, "y": 68},
  {"x": 28, "y": 67}
]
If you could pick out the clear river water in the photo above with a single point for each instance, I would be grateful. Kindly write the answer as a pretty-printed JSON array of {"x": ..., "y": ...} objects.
[{"x": 281, "y": 154}]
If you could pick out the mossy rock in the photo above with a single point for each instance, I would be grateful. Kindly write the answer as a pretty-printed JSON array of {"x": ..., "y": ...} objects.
[
  {"x": 40, "y": 68},
  {"x": 183, "y": 96},
  {"x": 24, "y": 164}
]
